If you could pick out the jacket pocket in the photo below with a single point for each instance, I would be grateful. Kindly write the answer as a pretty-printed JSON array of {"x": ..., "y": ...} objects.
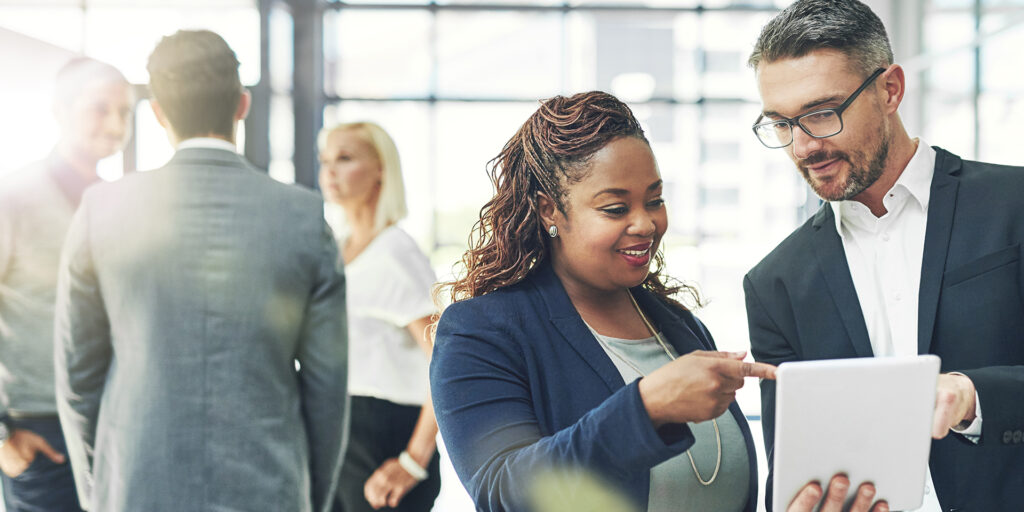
[{"x": 981, "y": 265}]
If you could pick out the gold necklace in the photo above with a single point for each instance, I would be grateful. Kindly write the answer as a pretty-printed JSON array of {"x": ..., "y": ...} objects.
[{"x": 664, "y": 346}]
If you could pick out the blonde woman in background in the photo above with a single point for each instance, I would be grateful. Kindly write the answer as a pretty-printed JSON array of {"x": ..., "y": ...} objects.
[{"x": 391, "y": 462}]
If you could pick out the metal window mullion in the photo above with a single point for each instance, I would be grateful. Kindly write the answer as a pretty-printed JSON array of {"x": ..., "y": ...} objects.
[
  {"x": 548, "y": 8},
  {"x": 432, "y": 120},
  {"x": 257, "y": 123},
  {"x": 307, "y": 86},
  {"x": 976, "y": 86}
]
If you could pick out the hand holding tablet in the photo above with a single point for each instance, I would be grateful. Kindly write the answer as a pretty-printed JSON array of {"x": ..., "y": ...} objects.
[{"x": 810, "y": 497}]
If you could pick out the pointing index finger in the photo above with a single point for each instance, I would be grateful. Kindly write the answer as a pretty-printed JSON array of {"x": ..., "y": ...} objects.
[
  {"x": 759, "y": 370},
  {"x": 741, "y": 369}
]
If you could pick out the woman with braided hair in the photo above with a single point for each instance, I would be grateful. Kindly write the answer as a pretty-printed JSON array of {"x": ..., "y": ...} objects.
[{"x": 565, "y": 358}]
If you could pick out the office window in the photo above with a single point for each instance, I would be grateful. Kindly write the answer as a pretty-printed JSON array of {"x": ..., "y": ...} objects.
[
  {"x": 377, "y": 53},
  {"x": 120, "y": 32},
  {"x": 453, "y": 83},
  {"x": 972, "y": 88}
]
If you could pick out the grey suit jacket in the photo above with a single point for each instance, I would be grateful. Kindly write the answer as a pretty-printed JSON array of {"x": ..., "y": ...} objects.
[{"x": 186, "y": 295}]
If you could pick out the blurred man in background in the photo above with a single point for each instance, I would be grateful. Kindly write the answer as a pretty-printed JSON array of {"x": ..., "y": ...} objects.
[
  {"x": 186, "y": 296},
  {"x": 93, "y": 106}
]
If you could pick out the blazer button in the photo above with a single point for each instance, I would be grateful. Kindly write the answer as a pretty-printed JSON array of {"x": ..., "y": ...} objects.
[
  {"x": 1007, "y": 437},
  {"x": 1017, "y": 434}
]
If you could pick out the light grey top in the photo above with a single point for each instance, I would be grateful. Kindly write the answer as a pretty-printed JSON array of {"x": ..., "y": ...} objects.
[
  {"x": 186, "y": 296},
  {"x": 34, "y": 217},
  {"x": 674, "y": 486}
]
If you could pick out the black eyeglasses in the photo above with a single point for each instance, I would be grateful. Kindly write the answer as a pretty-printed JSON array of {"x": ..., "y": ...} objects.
[{"x": 819, "y": 124}]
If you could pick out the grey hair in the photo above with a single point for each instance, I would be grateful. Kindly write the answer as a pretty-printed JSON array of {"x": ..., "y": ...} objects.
[{"x": 808, "y": 25}]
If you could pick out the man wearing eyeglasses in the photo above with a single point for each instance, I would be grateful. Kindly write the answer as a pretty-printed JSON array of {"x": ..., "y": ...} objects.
[{"x": 914, "y": 251}]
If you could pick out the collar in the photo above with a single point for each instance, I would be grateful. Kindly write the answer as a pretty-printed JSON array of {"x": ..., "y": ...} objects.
[
  {"x": 916, "y": 179},
  {"x": 563, "y": 316},
  {"x": 207, "y": 143},
  {"x": 70, "y": 182},
  {"x": 673, "y": 325}
]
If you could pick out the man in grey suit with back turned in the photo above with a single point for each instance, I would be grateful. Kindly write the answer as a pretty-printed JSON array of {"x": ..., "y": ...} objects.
[{"x": 186, "y": 296}]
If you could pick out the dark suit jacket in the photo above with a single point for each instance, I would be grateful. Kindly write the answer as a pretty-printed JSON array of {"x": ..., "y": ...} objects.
[
  {"x": 185, "y": 297},
  {"x": 802, "y": 305},
  {"x": 521, "y": 385}
]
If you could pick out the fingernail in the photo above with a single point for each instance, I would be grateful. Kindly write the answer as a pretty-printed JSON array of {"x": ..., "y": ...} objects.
[{"x": 866, "y": 492}]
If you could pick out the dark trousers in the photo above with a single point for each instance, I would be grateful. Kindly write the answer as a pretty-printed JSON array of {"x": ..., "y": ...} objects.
[
  {"x": 45, "y": 486},
  {"x": 379, "y": 431}
]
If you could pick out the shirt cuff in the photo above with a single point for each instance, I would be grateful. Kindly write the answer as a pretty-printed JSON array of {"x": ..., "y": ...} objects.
[{"x": 973, "y": 431}]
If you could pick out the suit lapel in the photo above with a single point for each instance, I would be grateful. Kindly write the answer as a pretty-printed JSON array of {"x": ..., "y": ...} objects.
[
  {"x": 941, "y": 207},
  {"x": 569, "y": 324},
  {"x": 828, "y": 248}
]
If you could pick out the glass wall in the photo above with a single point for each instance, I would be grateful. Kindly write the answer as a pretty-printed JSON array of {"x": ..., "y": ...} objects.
[
  {"x": 453, "y": 81},
  {"x": 39, "y": 37},
  {"x": 972, "y": 84}
]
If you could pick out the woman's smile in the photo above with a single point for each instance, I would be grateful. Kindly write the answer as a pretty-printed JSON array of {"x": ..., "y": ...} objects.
[{"x": 637, "y": 255}]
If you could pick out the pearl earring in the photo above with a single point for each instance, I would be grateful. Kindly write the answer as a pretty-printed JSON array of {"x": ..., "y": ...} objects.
[{"x": 553, "y": 231}]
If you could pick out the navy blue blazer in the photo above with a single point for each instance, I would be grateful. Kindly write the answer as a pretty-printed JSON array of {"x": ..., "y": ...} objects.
[
  {"x": 520, "y": 385},
  {"x": 802, "y": 305}
]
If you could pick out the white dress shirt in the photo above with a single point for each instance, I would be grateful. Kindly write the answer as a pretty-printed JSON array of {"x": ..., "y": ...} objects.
[
  {"x": 884, "y": 256},
  {"x": 207, "y": 143}
]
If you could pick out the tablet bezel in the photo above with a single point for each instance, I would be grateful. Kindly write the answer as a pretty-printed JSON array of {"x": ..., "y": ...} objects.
[{"x": 869, "y": 418}]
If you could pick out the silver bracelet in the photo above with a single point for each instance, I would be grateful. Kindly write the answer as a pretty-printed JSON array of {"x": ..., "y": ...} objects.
[{"x": 410, "y": 466}]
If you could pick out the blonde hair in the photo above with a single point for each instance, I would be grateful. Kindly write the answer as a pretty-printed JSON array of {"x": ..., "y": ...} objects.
[{"x": 391, "y": 206}]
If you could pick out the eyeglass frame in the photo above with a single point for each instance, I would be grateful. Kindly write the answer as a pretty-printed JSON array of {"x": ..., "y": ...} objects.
[{"x": 795, "y": 121}]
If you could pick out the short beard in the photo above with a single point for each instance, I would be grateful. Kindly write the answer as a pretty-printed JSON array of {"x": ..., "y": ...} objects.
[{"x": 857, "y": 180}]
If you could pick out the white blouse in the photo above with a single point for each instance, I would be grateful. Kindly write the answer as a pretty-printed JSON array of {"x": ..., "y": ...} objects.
[{"x": 389, "y": 287}]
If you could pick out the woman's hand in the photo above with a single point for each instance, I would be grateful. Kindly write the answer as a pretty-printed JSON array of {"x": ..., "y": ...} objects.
[
  {"x": 698, "y": 386},
  {"x": 388, "y": 485},
  {"x": 22, "y": 448},
  {"x": 810, "y": 496}
]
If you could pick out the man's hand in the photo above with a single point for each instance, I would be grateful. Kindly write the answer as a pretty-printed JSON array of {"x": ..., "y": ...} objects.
[
  {"x": 810, "y": 496},
  {"x": 21, "y": 449},
  {"x": 388, "y": 485},
  {"x": 954, "y": 402}
]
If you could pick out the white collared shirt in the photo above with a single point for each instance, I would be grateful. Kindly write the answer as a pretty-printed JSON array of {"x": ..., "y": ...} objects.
[
  {"x": 884, "y": 255},
  {"x": 207, "y": 143}
]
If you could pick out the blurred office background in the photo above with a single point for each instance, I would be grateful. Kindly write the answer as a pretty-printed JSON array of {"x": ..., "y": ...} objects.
[{"x": 452, "y": 80}]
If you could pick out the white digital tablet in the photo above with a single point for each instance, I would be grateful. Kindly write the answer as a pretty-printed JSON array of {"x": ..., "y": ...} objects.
[{"x": 869, "y": 418}]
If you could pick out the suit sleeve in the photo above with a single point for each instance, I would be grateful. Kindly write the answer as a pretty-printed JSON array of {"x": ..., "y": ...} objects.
[
  {"x": 82, "y": 351},
  {"x": 484, "y": 399},
  {"x": 767, "y": 345},
  {"x": 323, "y": 373},
  {"x": 999, "y": 391}
]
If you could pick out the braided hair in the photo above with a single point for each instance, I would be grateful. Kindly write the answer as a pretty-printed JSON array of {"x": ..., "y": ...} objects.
[{"x": 551, "y": 150}]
